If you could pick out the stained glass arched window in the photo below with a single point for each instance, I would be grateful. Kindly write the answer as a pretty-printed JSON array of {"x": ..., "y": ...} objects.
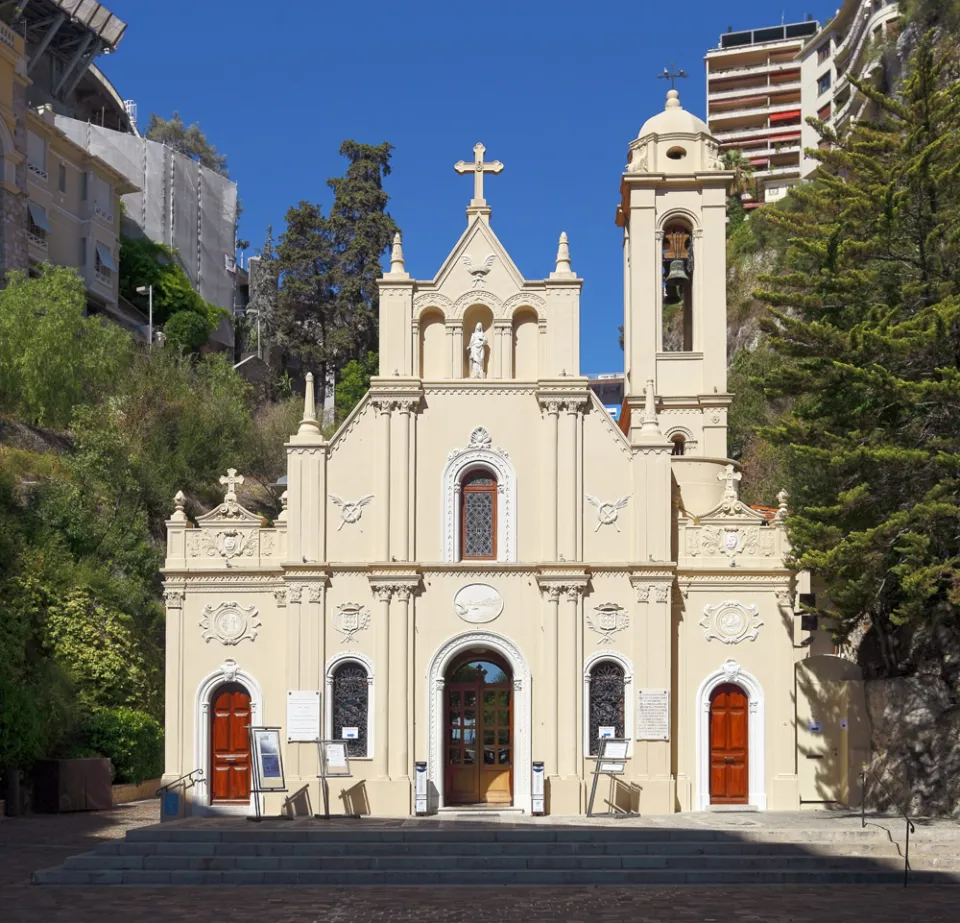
[
  {"x": 478, "y": 516},
  {"x": 606, "y": 701},
  {"x": 351, "y": 705}
]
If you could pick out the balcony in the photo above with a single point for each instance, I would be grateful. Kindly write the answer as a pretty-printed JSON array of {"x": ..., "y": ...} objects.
[
  {"x": 745, "y": 134},
  {"x": 777, "y": 171},
  {"x": 103, "y": 279},
  {"x": 38, "y": 172},
  {"x": 8, "y": 37},
  {"x": 101, "y": 212},
  {"x": 763, "y": 111},
  {"x": 775, "y": 68},
  {"x": 38, "y": 241},
  {"x": 767, "y": 89},
  {"x": 857, "y": 38}
]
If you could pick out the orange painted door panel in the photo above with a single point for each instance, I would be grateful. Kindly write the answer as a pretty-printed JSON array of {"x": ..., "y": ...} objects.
[
  {"x": 231, "y": 744},
  {"x": 729, "y": 750}
]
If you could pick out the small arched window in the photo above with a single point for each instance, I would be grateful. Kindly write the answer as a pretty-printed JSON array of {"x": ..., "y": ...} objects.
[
  {"x": 351, "y": 706},
  {"x": 478, "y": 516},
  {"x": 679, "y": 444},
  {"x": 607, "y": 702}
]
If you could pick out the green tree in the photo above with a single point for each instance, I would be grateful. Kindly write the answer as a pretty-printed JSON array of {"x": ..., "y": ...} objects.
[
  {"x": 361, "y": 230},
  {"x": 866, "y": 327},
  {"x": 146, "y": 263},
  {"x": 187, "y": 331},
  {"x": 52, "y": 358},
  {"x": 354, "y": 383},
  {"x": 327, "y": 308},
  {"x": 740, "y": 185},
  {"x": 188, "y": 140}
]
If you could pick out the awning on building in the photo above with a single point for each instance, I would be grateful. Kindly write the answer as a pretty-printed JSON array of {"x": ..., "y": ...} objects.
[
  {"x": 38, "y": 215},
  {"x": 106, "y": 257},
  {"x": 784, "y": 116}
]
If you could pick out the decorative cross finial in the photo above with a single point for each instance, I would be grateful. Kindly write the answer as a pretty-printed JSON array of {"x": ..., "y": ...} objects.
[
  {"x": 478, "y": 168},
  {"x": 672, "y": 74},
  {"x": 731, "y": 477},
  {"x": 231, "y": 482}
]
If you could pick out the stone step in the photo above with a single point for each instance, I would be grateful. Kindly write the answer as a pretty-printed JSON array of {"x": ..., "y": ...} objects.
[
  {"x": 442, "y": 877},
  {"x": 94, "y": 862},
  {"x": 169, "y": 833},
  {"x": 692, "y": 848}
]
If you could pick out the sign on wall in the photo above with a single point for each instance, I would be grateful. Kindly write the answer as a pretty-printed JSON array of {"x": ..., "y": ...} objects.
[
  {"x": 653, "y": 714},
  {"x": 303, "y": 716}
]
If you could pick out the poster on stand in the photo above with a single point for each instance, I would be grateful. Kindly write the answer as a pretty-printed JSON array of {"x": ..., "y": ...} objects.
[
  {"x": 333, "y": 758},
  {"x": 268, "y": 758}
]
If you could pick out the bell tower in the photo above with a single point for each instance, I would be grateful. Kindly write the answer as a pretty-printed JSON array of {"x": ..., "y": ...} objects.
[{"x": 673, "y": 214}]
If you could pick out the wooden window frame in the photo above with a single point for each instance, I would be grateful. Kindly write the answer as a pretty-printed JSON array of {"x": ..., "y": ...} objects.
[{"x": 467, "y": 488}]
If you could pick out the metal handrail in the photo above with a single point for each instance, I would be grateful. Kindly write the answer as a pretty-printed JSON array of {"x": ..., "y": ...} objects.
[
  {"x": 896, "y": 804},
  {"x": 187, "y": 779}
]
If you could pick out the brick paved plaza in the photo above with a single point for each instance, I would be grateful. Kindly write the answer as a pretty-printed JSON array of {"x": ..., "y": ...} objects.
[{"x": 27, "y": 844}]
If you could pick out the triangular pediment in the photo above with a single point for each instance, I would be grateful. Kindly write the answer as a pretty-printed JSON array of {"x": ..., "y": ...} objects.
[
  {"x": 229, "y": 511},
  {"x": 478, "y": 262},
  {"x": 733, "y": 511}
]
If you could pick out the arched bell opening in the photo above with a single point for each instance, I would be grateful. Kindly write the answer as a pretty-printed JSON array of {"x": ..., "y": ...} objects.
[
  {"x": 677, "y": 273},
  {"x": 434, "y": 350}
]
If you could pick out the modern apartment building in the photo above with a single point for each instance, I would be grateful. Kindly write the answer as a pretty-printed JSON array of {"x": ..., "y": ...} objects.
[
  {"x": 754, "y": 101},
  {"x": 851, "y": 44},
  {"x": 60, "y": 204}
]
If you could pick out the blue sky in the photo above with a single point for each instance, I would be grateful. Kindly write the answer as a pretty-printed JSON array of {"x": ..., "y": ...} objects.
[{"x": 555, "y": 90}]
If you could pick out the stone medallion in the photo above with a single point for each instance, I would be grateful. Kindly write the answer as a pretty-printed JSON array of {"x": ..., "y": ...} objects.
[
  {"x": 229, "y": 623},
  {"x": 731, "y": 622},
  {"x": 478, "y": 603}
]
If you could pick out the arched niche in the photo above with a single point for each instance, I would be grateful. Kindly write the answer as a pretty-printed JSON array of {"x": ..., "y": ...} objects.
[
  {"x": 482, "y": 315},
  {"x": 434, "y": 359},
  {"x": 526, "y": 366}
]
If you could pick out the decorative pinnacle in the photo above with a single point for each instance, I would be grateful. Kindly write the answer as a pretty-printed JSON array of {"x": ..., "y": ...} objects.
[
  {"x": 284, "y": 500},
  {"x": 179, "y": 502},
  {"x": 650, "y": 427},
  {"x": 563, "y": 256},
  {"x": 782, "y": 510},
  {"x": 396, "y": 256},
  {"x": 309, "y": 425}
]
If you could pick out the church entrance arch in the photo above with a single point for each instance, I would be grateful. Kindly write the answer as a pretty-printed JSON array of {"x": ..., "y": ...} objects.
[
  {"x": 478, "y": 745},
  {"x": 479, "y": 722}
]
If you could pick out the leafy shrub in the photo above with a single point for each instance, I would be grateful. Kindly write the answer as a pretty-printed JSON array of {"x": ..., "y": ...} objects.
[
  {"x": 187, "y": 331},
  {"x": 131, "y": 739}
]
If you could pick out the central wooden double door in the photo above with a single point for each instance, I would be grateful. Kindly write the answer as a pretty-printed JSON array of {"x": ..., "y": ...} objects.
[
  {"x": 478, "y": 739},
  {"x": 729, "y": 753}
]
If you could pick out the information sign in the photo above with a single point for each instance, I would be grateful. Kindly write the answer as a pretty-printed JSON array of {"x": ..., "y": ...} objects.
[
  {"x": 350, "y": 733},
  {"x": 653, "y": 714},
  {"x": 303, "y": 716},
  {"x": 333, "y": 758},
  {"x": 268, "y": 759},
  {"x": 613, "y": 749},
  {"x": 607, "y": 732}
]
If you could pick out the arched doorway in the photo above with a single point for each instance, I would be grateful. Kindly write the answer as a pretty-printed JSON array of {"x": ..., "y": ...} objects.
[
  {"x": 729, "y": 745},
  {"x": 230, "y": 745},
  {"x": 478, "y": 750}
]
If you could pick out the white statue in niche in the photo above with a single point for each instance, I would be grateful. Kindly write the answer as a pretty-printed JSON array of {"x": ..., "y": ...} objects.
[{"x": 477, "y": 345}]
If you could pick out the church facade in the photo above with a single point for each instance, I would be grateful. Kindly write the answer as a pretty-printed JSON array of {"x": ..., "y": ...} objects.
[{"x": 481, "y": 569}]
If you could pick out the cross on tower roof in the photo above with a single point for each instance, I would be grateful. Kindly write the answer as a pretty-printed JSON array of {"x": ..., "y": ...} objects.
[
  {"x": 673, "y": 75},
  {"x": 730, "y": 476},
  {"x": 478, "y": 168}
]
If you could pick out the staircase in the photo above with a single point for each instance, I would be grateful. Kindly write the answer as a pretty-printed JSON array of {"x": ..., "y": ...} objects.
[{"x": 306, "y": 852}]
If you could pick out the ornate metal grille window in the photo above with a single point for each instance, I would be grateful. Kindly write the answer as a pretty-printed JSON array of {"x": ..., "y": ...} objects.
[
  {"x": 606, "y": 702},
  {"x": 478, "y": 514},
  {"x": 351, "y": 704}
]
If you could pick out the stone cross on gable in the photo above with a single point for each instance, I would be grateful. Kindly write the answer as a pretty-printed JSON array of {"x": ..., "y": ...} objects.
[
  {"x": 232, "y": 481},
  {"x": 478, "y": 168},
  {"x": 731, "y": 477}
]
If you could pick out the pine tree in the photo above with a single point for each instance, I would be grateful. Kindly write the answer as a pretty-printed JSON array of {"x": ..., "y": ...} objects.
[
  {"x": 866, "y": 325},
  {"x": 188, "y": 140},
  {"x": 361, "y": 230},
  {"x": 327, "y": 305}
]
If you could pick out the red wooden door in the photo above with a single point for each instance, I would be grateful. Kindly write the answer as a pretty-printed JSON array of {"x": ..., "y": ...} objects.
[
  {"x": 231, "y": 744},
  {"x": 728, "y": 746}
]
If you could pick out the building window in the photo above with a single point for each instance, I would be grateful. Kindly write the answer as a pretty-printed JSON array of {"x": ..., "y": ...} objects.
[
  {"x": 36, "y": 155},
  {"x": 478, "y": 516},
  {"x": 84, "y": 184},
  {"x": 823, "y": 83},
  {"x": 351, "y": 706},
  {"x": 62, "y": 178},
  {"x": 83, "y": 252},
  {"x": 38, "y": 225},
  {"x": 823, "y": 52},
  {"x": 607, "y": 701},
  {"x": 104, "y": 266},
  {"x": 679, "y": 444},
  {"x": 103, "y": 199},
  {"x": 824, "y": 112}
]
